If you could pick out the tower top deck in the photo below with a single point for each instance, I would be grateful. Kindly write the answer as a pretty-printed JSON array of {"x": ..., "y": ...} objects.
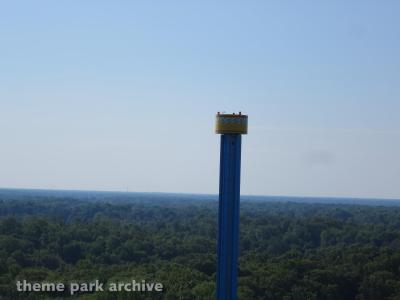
[{"x": 231, "y": 123}]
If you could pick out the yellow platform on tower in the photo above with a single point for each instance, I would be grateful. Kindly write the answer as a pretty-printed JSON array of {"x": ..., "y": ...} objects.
[{"x": 231, "y": 123}]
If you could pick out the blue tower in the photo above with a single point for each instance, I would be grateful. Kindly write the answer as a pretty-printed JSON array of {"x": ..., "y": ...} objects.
[{"x": 231, "y": 127}]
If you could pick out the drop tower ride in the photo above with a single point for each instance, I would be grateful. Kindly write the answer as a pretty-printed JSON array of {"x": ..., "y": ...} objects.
[{"x": 231, "y": 127}]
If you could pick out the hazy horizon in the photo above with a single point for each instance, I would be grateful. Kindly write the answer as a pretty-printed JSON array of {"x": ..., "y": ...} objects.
[
  {"x": 194, "y": 194},
  {"x": 117, "y": 96}
]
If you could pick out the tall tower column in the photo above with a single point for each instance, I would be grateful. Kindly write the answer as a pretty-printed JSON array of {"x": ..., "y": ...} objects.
[{"x": 231, "y": 127}]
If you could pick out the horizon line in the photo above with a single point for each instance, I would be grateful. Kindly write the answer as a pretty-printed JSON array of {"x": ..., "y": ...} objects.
[{"x": 200, "y": 194}]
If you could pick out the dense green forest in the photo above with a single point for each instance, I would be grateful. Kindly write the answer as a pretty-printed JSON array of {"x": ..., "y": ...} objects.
[{"x": 288, "y": 250}]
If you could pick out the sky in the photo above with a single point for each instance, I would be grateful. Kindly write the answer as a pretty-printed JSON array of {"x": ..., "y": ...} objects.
[{"x": 122, "y": 95}]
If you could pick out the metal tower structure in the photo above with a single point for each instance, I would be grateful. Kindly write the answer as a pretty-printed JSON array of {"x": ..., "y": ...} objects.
[{"x": 231, "y": 127}]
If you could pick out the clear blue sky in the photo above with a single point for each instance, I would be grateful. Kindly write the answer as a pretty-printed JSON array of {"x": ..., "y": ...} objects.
[{"x": 110, "y": 95}]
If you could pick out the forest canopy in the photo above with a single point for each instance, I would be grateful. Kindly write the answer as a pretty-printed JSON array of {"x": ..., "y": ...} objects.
[{"x": 288, "y": 250}]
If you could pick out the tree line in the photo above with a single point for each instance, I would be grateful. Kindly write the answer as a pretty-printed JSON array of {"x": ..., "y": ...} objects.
[{"x": 290, "y": 251}]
